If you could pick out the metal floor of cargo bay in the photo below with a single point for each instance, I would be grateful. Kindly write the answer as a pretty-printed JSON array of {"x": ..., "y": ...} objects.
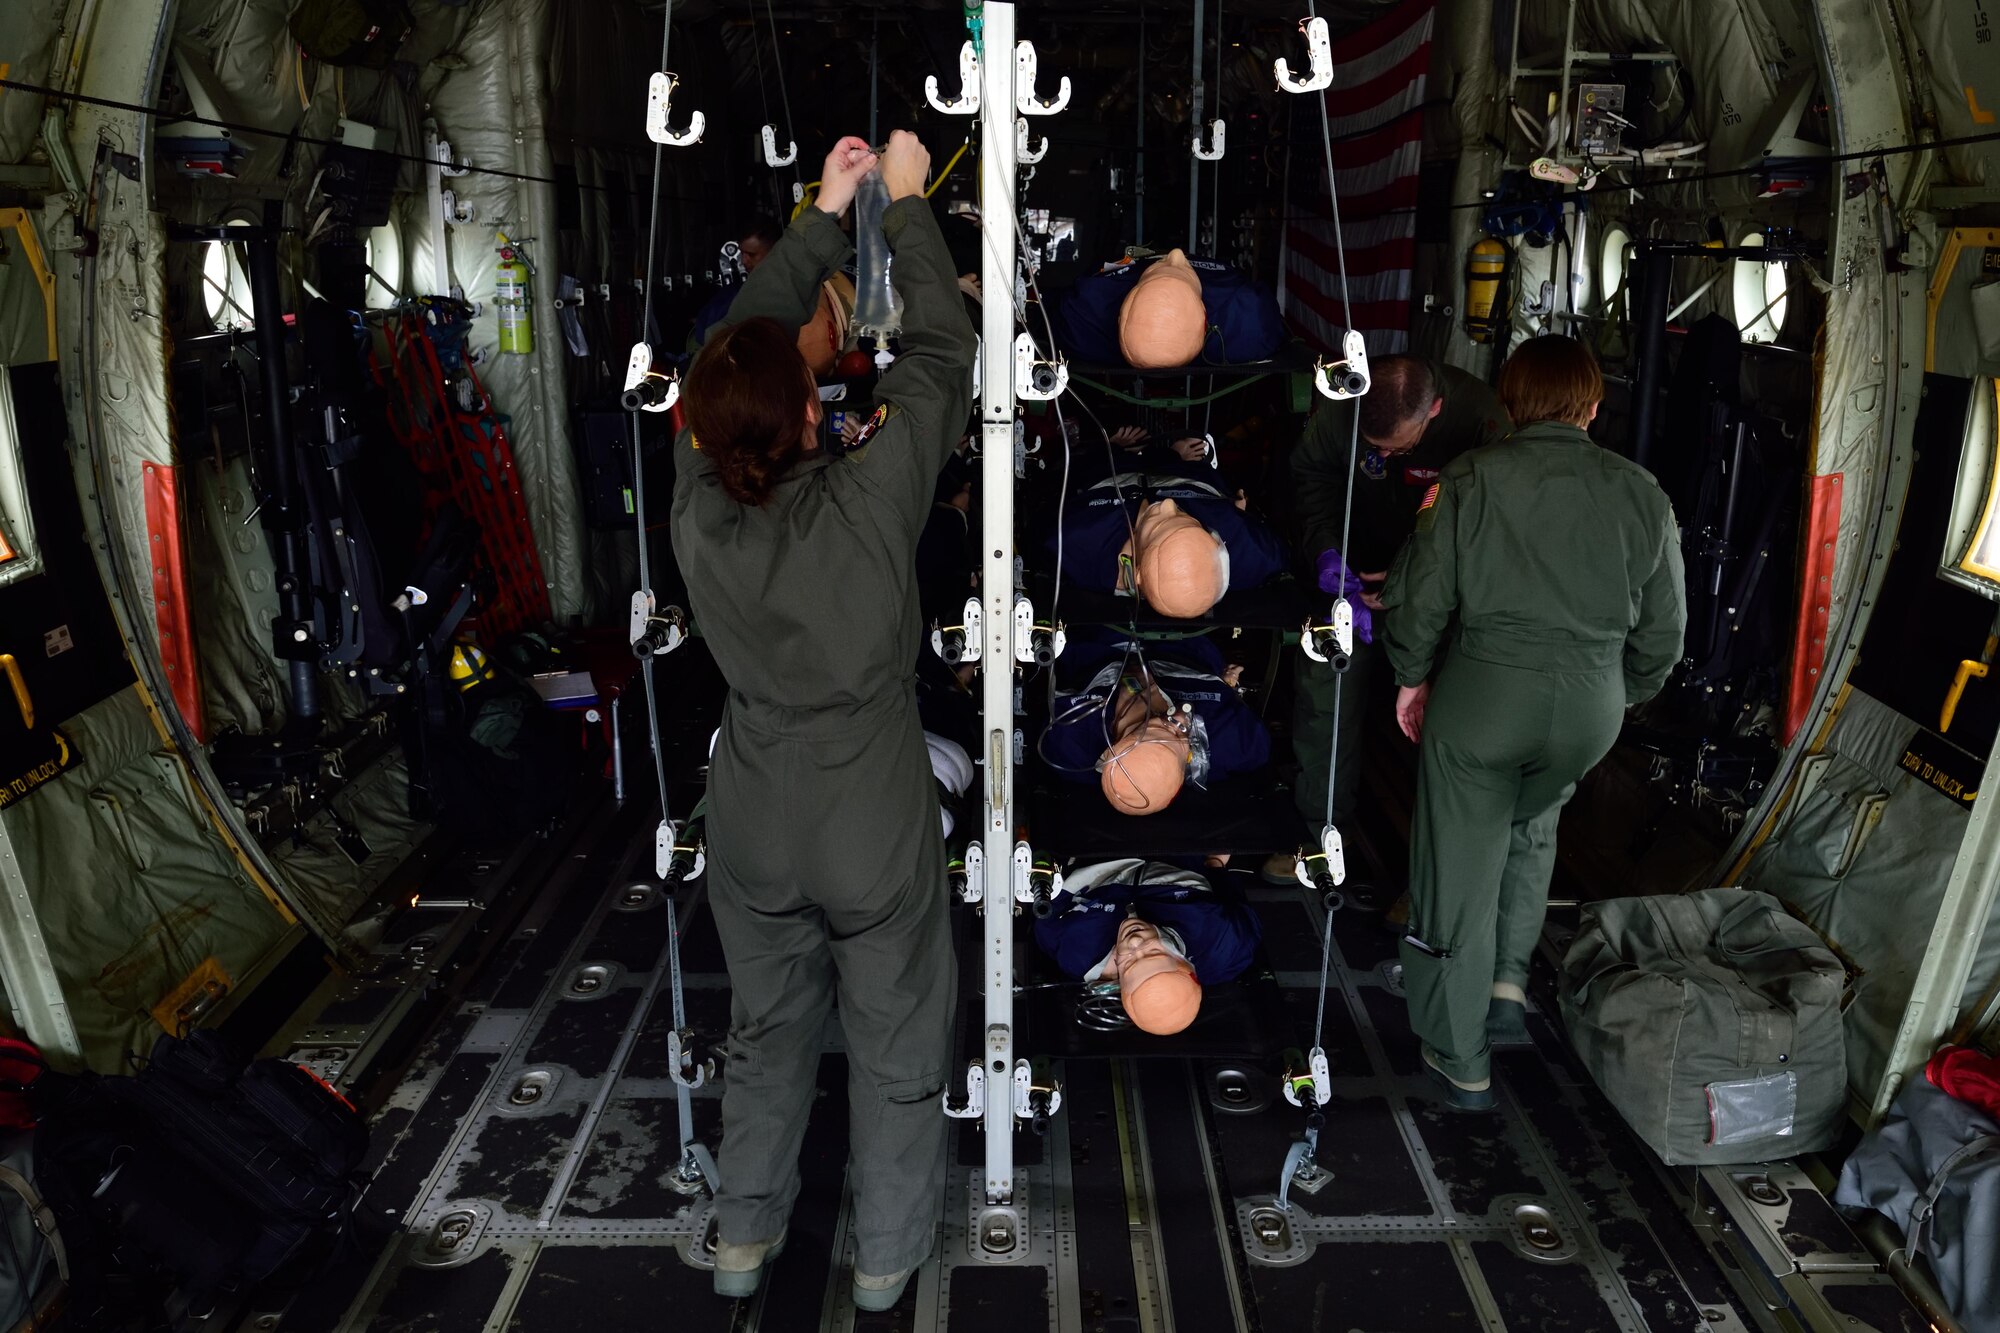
[{"x": 525, "y": 1150}]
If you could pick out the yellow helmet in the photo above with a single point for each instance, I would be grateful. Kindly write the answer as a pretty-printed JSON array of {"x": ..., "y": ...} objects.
[{"x": 469, "y": 665}]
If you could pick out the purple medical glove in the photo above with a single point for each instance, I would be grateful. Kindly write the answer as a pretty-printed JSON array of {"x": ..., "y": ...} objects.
[{"x": 1337, "y": 580}]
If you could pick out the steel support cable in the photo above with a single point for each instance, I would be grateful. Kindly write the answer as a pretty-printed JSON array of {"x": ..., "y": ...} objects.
[
  {"x": 693, "y": 1158},
  {"x": 1346, "y": 532},
  {"x": 320, "y": 141},
  {"x": 784, "y": 93},
  {"x": 763, "y": 88},
  {"x": 638, "y": 448}
]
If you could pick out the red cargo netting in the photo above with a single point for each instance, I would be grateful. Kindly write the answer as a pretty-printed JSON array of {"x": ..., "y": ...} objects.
[{"x": 457, "y": 443}]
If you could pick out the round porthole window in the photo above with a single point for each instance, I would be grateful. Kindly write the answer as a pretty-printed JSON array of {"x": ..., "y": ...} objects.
[
  {"x": 1613, "y": 263},
  {"x": 225, "y": 285},
  {"x": 385, "y": 267},
  {"x": 1760, "y": 295}
]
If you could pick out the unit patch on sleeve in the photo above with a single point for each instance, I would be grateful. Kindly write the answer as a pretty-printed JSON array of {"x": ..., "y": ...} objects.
[{"x": 875, "y": 423}]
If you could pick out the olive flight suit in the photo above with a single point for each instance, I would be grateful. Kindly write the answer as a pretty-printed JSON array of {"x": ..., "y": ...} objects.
[
  {"x": 1387, "y": 490},
  {"x": 826, "y": 869},
  {"x": 1559, "y": 564}
]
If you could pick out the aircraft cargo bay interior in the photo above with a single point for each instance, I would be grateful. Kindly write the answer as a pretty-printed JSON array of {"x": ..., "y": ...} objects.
[{"x": 1145, "y": 666}]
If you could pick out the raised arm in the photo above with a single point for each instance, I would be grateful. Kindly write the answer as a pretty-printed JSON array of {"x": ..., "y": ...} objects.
[
  {"x": 785, "y": 286},
  {"x": 931, "y": 382},
  {"x": 925, "y": 396}
]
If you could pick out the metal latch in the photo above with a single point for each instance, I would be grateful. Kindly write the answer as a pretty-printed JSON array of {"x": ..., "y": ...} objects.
[
  {"x": 973, "y": 1106},
  {"x": 1036, "y": 883},
  {"x": 961, "y": 643},
  {"x": 1333, "y": 642},
  {"x": 1037, "y": 1093},
  {"x": 968, "y": 876},
  {"x": 1348, "y": 377},
  {"x": 646, "y": 390},
  {"x": 1035, "y": 644},
  {"x": 1037, "y": 380}
]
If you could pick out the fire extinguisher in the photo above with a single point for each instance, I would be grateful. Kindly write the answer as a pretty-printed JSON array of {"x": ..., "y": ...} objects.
[
  {"x": 1484, "y": 269},
  {"x": 510, "y": 299}
]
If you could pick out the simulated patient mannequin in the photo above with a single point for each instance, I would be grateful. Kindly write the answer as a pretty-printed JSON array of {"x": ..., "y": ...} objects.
[
  {"x": 1168, "y": 534},
  {"x": 1163, "y": 321},
  {"x": 1153, "y": 932},
  {"x": 1143, "y": 719}
]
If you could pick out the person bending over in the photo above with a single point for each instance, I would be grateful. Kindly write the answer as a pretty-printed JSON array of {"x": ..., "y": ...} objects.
[
  {"x": 826, "y": 869},
  {"x": 1417, "y": 417}
]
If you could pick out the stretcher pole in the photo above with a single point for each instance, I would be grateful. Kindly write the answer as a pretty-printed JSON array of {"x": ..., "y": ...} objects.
[{"x": 999, "y": 217}]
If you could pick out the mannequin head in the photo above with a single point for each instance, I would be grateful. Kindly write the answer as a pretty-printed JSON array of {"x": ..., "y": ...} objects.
[
  {"x": 1178, "y": 566},
  {"x": 1163, "y": 321},
  {"x": 1156, "y": 984},
  {"x": 1143, "y": 770}
]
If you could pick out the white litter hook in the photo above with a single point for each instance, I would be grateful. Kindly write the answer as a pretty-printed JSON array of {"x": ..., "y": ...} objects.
[
  {"x": 1027, "y": 156},
  {"x": 1036, "y": 380},
  {"x": 771, "y": 157},
  {"x": 1025, "y": 100},
  {"x": 1348, "y": 377},
  {"x": 1217, "y": 139},
  {"x": 1319, "y": 54},
  {"x": 661, "y": 392},
  {"x": 967, "y": 101},
  {"x": 659, "y": 100}
]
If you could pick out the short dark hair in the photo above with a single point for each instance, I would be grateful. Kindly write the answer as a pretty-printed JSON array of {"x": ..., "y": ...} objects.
[
  {"x": 1551, "y": 378},
  {"x": 746, "y": 397},
  {"x": 763, "y": 229},
  {"x": 1401, "y": 387}
]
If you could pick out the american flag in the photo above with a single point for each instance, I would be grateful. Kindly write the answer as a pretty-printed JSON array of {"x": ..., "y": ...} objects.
[{"x": 1375, "y": 111}]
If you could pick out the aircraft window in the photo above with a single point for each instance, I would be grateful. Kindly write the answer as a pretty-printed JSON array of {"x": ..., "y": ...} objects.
[
  {"x": 1760, "y": 296},
  {"x": 19, "y": 556},
  {"x": 385, "y": 266},
  {"x": 1974, "y": 548},
  {"x": 225, "y": 286},
  {"x": 1612, "y": 265}
]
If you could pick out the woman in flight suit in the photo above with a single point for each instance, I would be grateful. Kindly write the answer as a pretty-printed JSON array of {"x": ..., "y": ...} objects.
[
  {"x": 1555, "y": 566},
  {"x": 826, "y": 869}
]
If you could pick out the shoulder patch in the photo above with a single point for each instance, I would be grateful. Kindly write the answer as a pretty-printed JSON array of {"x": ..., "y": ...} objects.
[
  {"x": 879, "y": 419},
  {"x": 1430, "y": 497}
]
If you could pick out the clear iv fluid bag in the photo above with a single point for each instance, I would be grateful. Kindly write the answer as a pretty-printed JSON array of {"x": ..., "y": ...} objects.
[{"x": 878, "y": 310}]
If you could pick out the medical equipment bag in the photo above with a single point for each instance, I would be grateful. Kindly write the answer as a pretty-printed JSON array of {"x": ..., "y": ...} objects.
[
  {"x": 32, "y": 1259},
  {"x": 1933, "y": 1169},
  {"x": 1711, "y": 1020}
]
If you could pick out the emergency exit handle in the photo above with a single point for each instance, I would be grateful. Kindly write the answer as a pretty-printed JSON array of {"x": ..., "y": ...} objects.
[
  {"x": 1967, "y": 670},
  {"x": 22, "y": 699}
]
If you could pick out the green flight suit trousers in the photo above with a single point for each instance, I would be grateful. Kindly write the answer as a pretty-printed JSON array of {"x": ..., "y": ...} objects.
[
  {"x": 1312, "y": 731},
  {"x": 1503, "y": 749},
  {"x": 826, "y": 875}
]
